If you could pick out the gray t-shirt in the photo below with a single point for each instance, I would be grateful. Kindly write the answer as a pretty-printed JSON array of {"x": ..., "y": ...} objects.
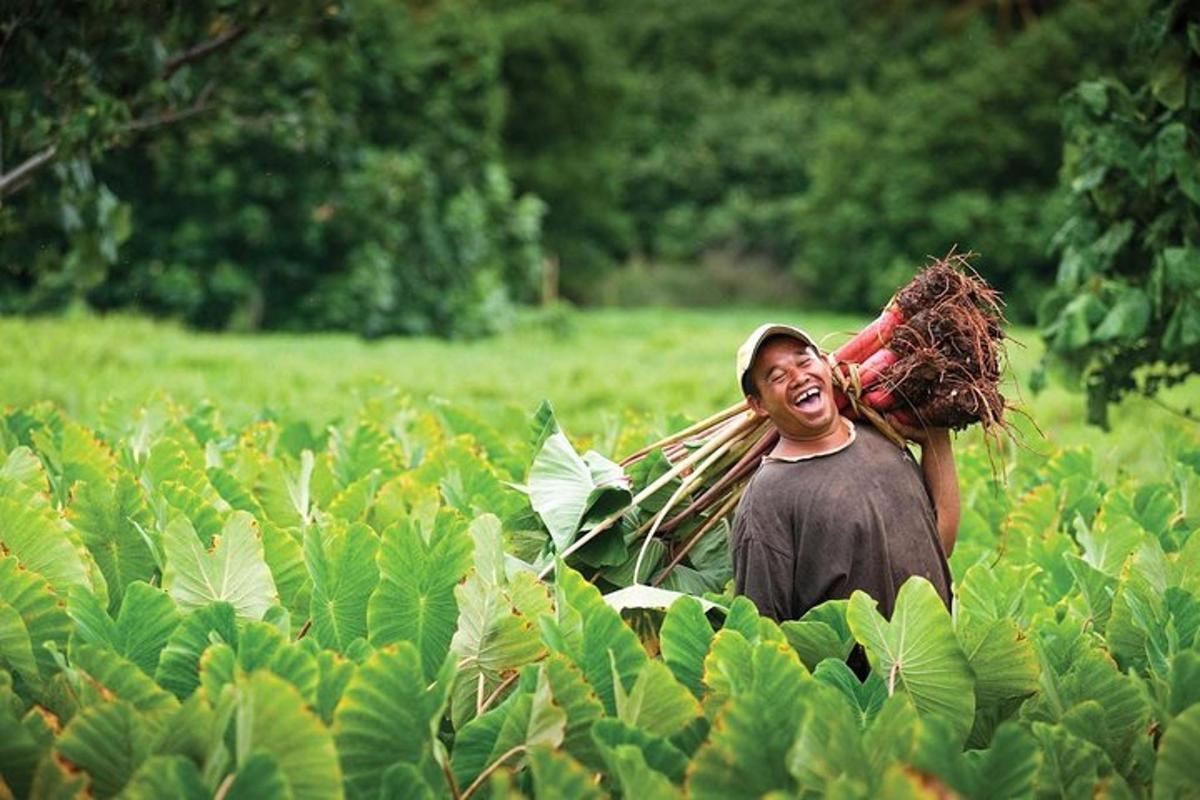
[{"x": 818, "y": 529}]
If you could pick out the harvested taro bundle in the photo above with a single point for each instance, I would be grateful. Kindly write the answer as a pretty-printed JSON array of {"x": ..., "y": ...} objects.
[{"x": 933, "y": 358}]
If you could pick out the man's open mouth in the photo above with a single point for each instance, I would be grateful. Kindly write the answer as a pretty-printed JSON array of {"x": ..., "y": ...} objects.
[{"x": 808, "y": 399}]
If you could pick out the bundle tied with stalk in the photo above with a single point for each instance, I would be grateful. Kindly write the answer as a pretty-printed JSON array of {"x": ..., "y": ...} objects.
[{"x": 933, "y": 358}]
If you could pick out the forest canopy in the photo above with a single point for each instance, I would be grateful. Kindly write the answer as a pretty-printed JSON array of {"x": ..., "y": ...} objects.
[{"x": 413, "y": 167}]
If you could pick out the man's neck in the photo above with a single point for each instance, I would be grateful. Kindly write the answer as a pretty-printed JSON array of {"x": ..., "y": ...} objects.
[{"x": 788, "y": 447}]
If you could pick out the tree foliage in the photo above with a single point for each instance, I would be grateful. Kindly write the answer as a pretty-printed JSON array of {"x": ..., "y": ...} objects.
[
  {"x": 410, "y": 167},
  {"x": 328, "y": 166},
  {"x": 1125, "y": 312}
]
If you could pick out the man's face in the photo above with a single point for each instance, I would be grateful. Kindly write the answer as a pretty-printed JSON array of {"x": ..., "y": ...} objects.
[{"x": 795, "y": 389}]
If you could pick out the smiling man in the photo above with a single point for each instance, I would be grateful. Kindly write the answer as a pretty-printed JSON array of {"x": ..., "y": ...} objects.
[{"x": 835, "y": 506}]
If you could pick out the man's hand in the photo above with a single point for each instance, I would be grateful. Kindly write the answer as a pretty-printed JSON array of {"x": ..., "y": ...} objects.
[{"x": 918, "y": 434}]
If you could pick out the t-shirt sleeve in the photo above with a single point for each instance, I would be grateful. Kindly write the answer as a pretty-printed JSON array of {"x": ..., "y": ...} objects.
[{"x": 764, "y": 574}]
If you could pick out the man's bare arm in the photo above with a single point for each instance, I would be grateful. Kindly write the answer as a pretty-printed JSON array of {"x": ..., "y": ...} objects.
[{"x": 941, "y": 478}]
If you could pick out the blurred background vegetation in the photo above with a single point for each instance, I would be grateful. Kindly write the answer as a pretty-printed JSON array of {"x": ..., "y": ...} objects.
[{"x": 426, "y": 167}]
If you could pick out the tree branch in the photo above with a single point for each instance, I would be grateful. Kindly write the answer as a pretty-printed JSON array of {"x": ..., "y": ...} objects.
[
  {"x": 203, "y": 49},
  {"x": 173, "y": 115},
  {"x": 11, "y": 181},
  {"x": 14, "y": 181}
]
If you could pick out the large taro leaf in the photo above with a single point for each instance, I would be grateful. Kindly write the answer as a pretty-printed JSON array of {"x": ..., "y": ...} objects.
[
  {"x": 16, "y": 647},
  {"x": 865, "y": 698},
  {"x": 637, "y": 778},
  {"x": 109, "y": 676},
  {"x": 658, "y": 704},
  {"x": 917, "y": 652},
  {"x": 145, "y": 622},
  {"x": 23, "y": 479},
  {"x": 1031, "y": 535},
  {"x": 1177, "y": 772},
  {"x": 684, "y": 639},
  {"x": 197, "y": 731},
  {"x": 21, "y": 745},
  {"x": 1096, "y": 702},
  {"x": 1071, "y": 765},
  {"x": 179, "y": 661},
  {"x": 357, "y": 452},
  {"x": 660, "y": 754},
  {"x": 1096, "y": 588},
  {"x": 260, "y": 646},
  {"x": 563, "y": 486},
  {"x": 71, "y": 453},
  {"x": 728, "y": 668},
  {"x": 40, "y": 610},
  {"x": 526, "y": 719},
  {"x": 1004, "y": 770},
  {"x": 828, "y": 756},
  {"x": 146, "y": 619},
  {"x": 458, "y": 420},
  {"x": 162, "y": 776},
  {"x": 259, "y": 778},
  {"x": 57, "y": 779},
  {"x": 989, "y": 592},
  {"x": 344, "y": 574},
  {"x": 709, "y": 565},
  {"x": 107, "y": 518},
  {"x": 497, "y": 633},
  {"x": 107, "y": 741},
  {"x": 389, "y": 714},
  {"x": 1008, "y": 767},
  {"x": 285, "y": 559},
  {"x": 284, "y": 491},
  {"x": 272, "y": 718},
  {"x": 1002, "y": 658},
  {"x": 745, "y": 756},
  {"x": 234, "y": 491},
  {"x": 333, "y": 676},
  {"x": 468, "y": 483},
  {"x": 587, "y": 630},
  {"x": 556, "y": 774},
  {"x": 1005, "y": 666},
  {"x": 233, "y": 572},
  {"x": 41, "y": 543},
  {"x": 1108, "y": 541},
  {"x": 414, "y": 601},
  {"x": 821, "y": 633}
]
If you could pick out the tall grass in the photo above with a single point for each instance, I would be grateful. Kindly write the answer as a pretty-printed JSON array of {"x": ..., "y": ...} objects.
[{"x": 603, "y": 370}]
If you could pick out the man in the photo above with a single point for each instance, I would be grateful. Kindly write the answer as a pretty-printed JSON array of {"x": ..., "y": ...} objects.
[{"x": 835, "y": 506}]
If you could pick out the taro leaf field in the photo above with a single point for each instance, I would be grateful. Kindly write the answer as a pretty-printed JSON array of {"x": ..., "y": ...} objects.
[{"x": 189, "y": 609}]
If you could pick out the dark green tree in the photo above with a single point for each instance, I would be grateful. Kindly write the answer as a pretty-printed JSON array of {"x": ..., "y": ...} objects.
[
  {"x": 82, "y": 80},
  {"x": 340, "y": 169},
  {"x": 952, "y": 139},
  {"x": 1124, "y": 315}
]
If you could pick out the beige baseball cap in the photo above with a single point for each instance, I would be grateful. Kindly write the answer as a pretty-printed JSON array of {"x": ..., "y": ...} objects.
[{"x": 749, "y": 348}]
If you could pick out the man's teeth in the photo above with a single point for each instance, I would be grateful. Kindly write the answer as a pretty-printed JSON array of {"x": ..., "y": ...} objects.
[{"x": 813, "y": 392}]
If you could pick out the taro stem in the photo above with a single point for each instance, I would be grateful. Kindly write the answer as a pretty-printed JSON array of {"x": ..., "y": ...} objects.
[
  {"x": 685, "y": 488},
  {"x": 700, "y": 427},
  {"x": 743, "y": 467},
  {"x": 683, "y": 466},
  {"x": 718, "y": 515}
]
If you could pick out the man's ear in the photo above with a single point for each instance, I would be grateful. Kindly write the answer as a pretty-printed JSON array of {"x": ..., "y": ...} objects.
[{"x": 756, "y": 405}]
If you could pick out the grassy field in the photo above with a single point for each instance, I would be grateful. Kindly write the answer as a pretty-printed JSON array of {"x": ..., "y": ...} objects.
[{"x": 600, "y": 369}]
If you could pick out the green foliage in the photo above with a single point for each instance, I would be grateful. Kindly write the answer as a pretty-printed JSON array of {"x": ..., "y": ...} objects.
[
  {"x": 425, "y": 658},
  {"x": 1124, "y": 317},
  {"x": 414, "y": 168},
  {"x": 281, "y": 165}
]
